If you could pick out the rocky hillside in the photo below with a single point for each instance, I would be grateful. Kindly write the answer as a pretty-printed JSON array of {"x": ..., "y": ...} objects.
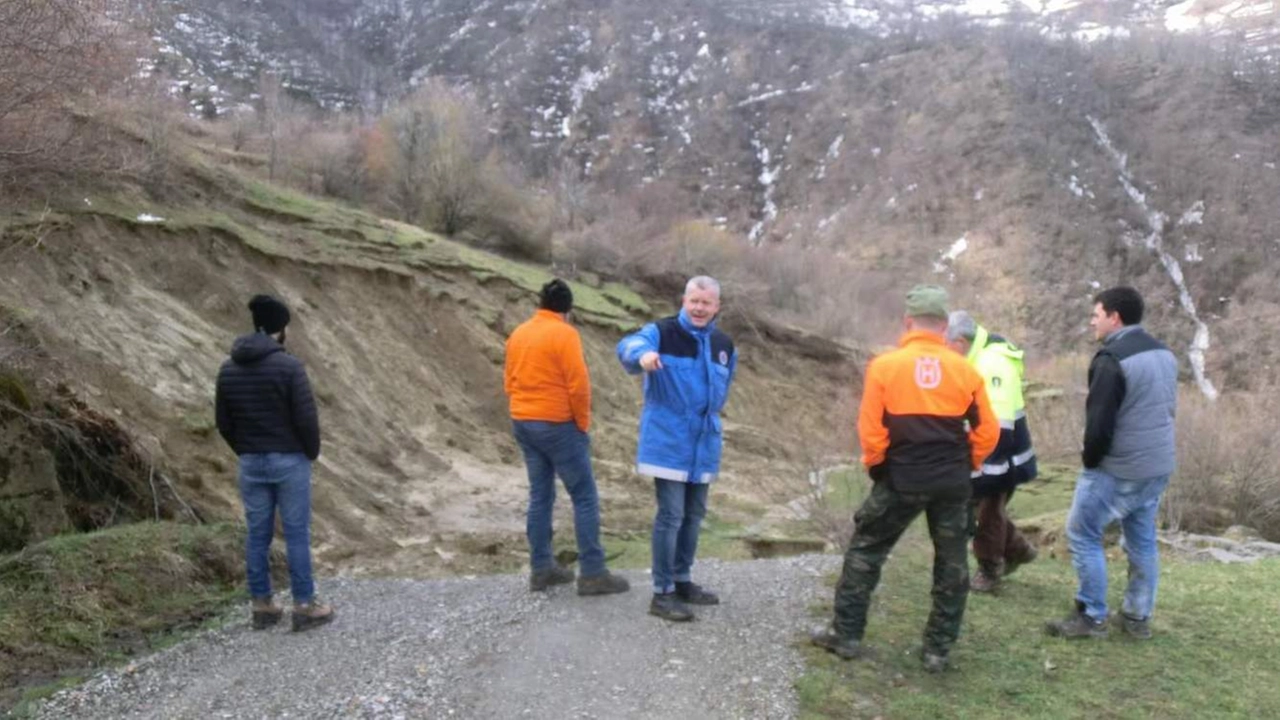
[{"x": 118, "y": 309}]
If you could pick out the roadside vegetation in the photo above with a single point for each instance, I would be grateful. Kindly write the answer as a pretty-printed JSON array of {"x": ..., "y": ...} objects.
[
  {"x": 1212, "y": 655},
  {"x": 75, "y": 602}
]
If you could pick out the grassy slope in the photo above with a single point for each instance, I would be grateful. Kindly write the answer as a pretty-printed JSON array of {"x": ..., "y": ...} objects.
[
  {"x": 76, "y": 601},
  {"x": 326, "y": 232},
  {"x": 1213, "y": 655}
]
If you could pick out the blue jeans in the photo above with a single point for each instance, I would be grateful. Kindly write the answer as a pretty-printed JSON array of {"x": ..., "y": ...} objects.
[
  {"x": 1101, "y": 499},
  {"x": 560, "y": 448},
  {"x": 271, "y": 482},
  {"x": 681, "y": 507}
]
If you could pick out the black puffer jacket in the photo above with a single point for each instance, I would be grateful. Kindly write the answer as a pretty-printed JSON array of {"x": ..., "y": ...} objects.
[{"x": 264, "y": 401}]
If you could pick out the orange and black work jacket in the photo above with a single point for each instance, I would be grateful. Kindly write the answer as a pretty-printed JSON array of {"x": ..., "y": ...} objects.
[
  {"x": 546, "y": 376},
  {"x": 925, "y": 422}
]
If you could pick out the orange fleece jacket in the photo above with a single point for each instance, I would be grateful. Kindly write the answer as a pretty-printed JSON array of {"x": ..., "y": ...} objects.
[{"x": 546, "y": 375}]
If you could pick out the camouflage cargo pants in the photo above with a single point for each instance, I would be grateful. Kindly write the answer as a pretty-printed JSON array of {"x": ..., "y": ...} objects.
[{"x": 879, "y": 523}]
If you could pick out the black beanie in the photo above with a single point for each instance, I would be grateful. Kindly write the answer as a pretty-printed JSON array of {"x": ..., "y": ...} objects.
[
  {"x": 556, "y": 296},
  {"x": 269, "y": 314}
]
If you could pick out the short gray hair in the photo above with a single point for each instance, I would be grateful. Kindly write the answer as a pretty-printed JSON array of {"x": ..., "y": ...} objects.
[
  {"x": 961, "y": 324},
  {"x": 702, "y": 282}
]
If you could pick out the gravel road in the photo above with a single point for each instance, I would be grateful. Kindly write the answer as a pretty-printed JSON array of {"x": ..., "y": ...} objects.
[{"x": 488, "y": 648}]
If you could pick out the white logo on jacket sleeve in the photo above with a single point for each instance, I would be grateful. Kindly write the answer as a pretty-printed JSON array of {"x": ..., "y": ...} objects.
[
  {"x": 928, "y": 372},
  {"x": 724, "y": 357}
]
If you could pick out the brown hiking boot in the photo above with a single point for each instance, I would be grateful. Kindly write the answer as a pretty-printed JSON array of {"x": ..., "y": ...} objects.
[
  {"x": 843, "y": 647},
  {"x": 985, "y": 581},
  {"x": 1131, "y": 626},
  {"x": 1077, "y": 625},
  {"x": 264, "y": 613},
  {"x": 311, "y": 615},
  {"x": 1029, "y": 556},
  {"x": 540, "y": 580},
  {"x": 606, "y": 583}
]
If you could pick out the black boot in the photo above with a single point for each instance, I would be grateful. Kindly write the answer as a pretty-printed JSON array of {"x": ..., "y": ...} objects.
[
  {"x": 695, "y": 594},
  {"x": 669, "y": 607}
]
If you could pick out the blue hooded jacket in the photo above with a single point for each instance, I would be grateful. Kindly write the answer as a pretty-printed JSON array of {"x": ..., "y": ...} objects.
[{"x": 680, "y": 431}]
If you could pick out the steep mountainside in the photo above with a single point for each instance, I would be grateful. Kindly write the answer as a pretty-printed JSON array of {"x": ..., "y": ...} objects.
[{"x": 1025, "y": 152}]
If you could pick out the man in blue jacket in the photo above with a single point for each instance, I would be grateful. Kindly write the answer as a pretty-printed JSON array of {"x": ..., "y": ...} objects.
[
  {"x": 688, "y": 366},
  {"x": 267, "y": 414}
]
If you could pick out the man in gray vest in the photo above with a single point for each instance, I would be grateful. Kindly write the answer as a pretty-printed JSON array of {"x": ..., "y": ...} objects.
[{"x": 1128, "y": 458}]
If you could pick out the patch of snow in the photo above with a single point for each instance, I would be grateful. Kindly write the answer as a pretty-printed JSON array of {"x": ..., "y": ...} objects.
[
  {"x": 977, "y": 195},
  {"x": 704, "y": 51},
  {"x": 147, "y": 217},
  {"x": 1090, "y": 32},
  {"x": 875, "y": 152},
  {"x": 1193, "y": 253},
  {"x": 1154, "y": 241},
  {"x": 1079, "y": 190},
  {"x": 948, "y": 256},
  {"x": 1194, "y": 215},
  {"x": 768, "y": 177},
  {"x": 804, "y": 87},
  {"x": 588, "y": 81},
  {"x": 833, "y": 150}
]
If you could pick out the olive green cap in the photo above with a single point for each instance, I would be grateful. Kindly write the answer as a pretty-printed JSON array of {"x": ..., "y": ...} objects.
[{"x": 927, "y": 301}]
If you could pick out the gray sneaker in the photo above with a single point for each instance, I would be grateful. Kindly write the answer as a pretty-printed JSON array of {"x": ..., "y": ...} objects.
[
  {"x": 1131, "y": 626},
  {"x": 934, "y": 662},
  {"x": 605, "y": 583},
  {"x": 1077, "y": 625},
  {"x": 555, "y": 575},
  {"x": 844, "y": 647}
]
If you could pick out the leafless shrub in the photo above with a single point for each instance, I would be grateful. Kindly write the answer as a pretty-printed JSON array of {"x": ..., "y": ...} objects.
[
  {"x": 52, "y": 53},
  {"x": 1228, "y": 465}
]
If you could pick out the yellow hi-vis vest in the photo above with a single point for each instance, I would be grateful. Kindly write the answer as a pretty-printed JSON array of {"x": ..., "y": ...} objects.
[{"x": 1000, "y": 364}]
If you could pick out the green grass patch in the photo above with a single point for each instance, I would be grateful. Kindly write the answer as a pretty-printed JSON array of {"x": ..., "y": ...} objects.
[
  {"x": 626, "y": 298},
  {"x": 31, "y": 697},
  {"x": 719, "y": 539},
  {"x": 1050, "y": 492},
  {"x": 76, "y": 601},
  {"x": 1213, "y": 654}
]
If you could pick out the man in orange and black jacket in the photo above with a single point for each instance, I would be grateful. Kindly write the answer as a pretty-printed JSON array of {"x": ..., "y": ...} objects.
[
  {"x": 550, "y": 392},
  {"x": 925, "y": 425}
]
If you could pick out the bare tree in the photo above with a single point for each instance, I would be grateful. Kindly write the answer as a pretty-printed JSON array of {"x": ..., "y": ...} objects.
[
  {"x": 439, "y": 177},
  {"x": 51, "y": 52},
  {"x": 269, "y": 89},
  {"x": 572, "y": 191}
]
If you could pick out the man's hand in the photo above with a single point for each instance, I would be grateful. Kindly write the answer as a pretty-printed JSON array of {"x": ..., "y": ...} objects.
[{"x": 650, "y": 361}]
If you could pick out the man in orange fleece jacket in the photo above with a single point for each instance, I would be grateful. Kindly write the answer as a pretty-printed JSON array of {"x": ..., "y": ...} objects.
[
  {"x": 550, "y": 392},
  {"x": 925, "y": 425}
]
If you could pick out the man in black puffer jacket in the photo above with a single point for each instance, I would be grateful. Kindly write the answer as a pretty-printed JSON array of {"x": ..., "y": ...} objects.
[{"x": 267, "y": 414}]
